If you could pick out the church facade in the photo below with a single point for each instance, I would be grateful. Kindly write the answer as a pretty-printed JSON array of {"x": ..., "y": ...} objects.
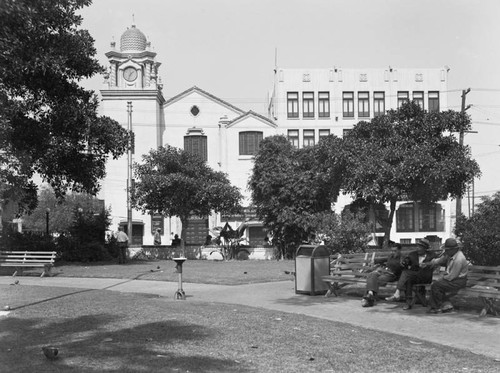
[{"x": 304, "y": 105}]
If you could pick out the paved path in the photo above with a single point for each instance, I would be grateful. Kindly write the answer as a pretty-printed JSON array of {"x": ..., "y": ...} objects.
[{"x": 461, "y": 330}]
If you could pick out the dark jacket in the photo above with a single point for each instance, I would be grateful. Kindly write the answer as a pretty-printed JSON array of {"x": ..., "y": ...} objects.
[
  {"x": 410, "y": 263},
  {"x": 393, "y": 264}
]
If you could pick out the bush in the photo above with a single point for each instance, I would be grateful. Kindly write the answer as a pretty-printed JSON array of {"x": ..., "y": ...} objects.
[
  {"x": 27, "y": 241},
  {"x": 73, "y": 250},
  {"x": 480, "y": 234}
]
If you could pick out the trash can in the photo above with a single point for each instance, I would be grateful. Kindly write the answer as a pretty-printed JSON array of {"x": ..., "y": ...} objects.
[{"x": 311, "y": 263}]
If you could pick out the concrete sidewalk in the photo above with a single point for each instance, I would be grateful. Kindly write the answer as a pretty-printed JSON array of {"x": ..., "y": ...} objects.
[{"x": 461, "y": 330}]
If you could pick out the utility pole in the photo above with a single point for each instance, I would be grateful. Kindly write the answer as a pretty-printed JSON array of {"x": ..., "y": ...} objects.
[
  {"x": 129, "y": 174},
  {"x": 461, "y": 142}
]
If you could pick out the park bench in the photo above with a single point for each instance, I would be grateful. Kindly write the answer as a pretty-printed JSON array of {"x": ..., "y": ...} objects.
[
  {"x": 483, "y": 282},
  {"x": 28, "y": 259},
  {"x": 347, "y": 269},
  {"x": 352, "y": 268}
]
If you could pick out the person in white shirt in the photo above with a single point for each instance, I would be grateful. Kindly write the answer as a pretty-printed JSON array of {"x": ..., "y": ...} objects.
[
  {"x": 453, "y": 280},
  {"x": 122, "y": 240}
]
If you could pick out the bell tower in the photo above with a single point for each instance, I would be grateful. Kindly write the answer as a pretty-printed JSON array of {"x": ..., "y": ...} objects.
[
  {"x": 132, "y": 95},
  {"x": 133, "y": 66}
]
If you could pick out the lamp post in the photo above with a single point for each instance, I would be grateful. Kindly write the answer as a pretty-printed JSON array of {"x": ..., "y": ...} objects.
[{"x": 47, "y": 213}]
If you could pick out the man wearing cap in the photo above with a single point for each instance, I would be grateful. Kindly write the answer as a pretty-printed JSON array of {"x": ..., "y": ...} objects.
[
  {"x": 453, "y": 280},
  {"x": 417, "y": 270}
]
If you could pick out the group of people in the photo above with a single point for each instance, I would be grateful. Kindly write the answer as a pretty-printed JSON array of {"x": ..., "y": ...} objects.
[
  {"x": 417, "y": 268},
  {"x": 122, "y": 241}
]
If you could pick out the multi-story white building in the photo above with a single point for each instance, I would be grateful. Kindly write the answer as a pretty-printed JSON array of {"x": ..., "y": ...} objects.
[{"x": 305, "y": 104}]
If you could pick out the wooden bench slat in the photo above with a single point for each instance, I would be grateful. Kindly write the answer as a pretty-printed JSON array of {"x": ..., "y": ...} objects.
[{"x": 25, "y": 259}]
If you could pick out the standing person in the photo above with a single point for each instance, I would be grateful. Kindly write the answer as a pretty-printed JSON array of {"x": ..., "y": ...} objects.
[
  {"x": 389, "y": 272},
  {"x": 417, "y": 271},
  {"x": 176, "y": 241},
  {"x": 453, "y": 280},
  {"x": 157, "y": 237},
  {"x": 122, "y": 240}
]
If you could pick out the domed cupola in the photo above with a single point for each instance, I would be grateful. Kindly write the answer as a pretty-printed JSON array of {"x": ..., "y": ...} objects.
[{"x": 133, "y": 39}]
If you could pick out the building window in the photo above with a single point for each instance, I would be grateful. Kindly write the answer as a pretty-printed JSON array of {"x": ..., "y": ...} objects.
[
  {"x": 250, "y": 142},
  {"x": 293, "y": 137},
  {"x": 323, "y": 134},
  {"x": 197, "y": 145},
  {"x": 324, "y": 104},
  {"x": 402, "y": 98},
  {"x": 346, "y": 131},
  {"x": 433, "y": 102},
  {"x": 348, "y": 104},
  {"x": 363, "y": 104},
  {"x": 405, "y": 218},
  {"x": 431, "y": 217},
  {"x": 413, "y": 217},
  {"x": 405, "y": 241},
  {"x": 378, "y": 103},
  {"x": 308, "y": 104},
  {"x": 308, "y": 138},
  {"x": 418, "y": 98},
  {"x": 293, "y": 104}
]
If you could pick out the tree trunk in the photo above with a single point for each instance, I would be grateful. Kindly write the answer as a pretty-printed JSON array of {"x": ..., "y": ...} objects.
[
  {"x": 184, "y": 223},
  {"x": 388, "y": 224}
]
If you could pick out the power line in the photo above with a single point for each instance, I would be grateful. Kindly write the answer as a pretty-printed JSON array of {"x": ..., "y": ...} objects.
[{"x": 486, "y": 89}]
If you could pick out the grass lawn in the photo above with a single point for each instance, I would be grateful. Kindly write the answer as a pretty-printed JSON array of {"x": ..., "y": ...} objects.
[
  {"x": 99, "y": 331},
  {"x": 232, "y": 272}
]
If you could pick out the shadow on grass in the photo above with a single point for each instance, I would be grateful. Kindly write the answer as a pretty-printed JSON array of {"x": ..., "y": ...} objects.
[
  {"x": 86, "y": 344},
  {"x": 311, "y": 300}
]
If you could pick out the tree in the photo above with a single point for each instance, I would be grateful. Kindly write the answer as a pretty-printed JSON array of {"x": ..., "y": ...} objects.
[
  {"x": 48, "y": 122},
  {"x": 408, "y": 154},
  {"x": 289, "y": 186},
  {"x": 344, "y": 233},
  {"x": 64, "y": 213},
  {"x": 480, "y": 233},
  {"x": 174, "y": 182}
]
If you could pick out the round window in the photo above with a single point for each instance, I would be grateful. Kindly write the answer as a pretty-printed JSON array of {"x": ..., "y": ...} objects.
[{"x": 195, "y": 110}]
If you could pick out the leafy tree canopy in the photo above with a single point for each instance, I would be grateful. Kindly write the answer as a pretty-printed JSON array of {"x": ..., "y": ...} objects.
[
  {"x": 408, "y": 154},
  {"x": 48, "y": 122},
  {"x": 62, "y": 213},
  {"x": 480, "y": 233},
  {"x": 289, "y": 186},
  {"x": 174, "y": 182}
]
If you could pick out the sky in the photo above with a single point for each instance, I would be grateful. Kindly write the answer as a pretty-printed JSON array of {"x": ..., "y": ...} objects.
[{"x": 230, "y": 47}]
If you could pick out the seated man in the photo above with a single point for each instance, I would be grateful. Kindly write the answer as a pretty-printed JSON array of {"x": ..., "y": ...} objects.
[
  {"x": 417, "y": 270},
  {"x": 453, "y": 280},
  {"x": 390, "y": 272}
]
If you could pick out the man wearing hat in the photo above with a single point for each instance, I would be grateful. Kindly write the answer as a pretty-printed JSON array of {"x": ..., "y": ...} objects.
[
  {"x": 417, "y": 270},
  {"x": 453, "y": 280}
]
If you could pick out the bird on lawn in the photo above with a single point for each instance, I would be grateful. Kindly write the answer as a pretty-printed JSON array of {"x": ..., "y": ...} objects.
[{"x": 50, "y": 352}]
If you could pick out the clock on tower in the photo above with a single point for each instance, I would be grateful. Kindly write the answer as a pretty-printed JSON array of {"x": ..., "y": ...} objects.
[{"x": 130, "y": 74}]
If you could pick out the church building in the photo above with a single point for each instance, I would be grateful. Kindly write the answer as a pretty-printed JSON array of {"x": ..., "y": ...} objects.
[{"x": 221, "y": 133}]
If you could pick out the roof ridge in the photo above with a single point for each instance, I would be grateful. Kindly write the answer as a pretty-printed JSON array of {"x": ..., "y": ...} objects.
[{"x": 205, "y": 93}]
